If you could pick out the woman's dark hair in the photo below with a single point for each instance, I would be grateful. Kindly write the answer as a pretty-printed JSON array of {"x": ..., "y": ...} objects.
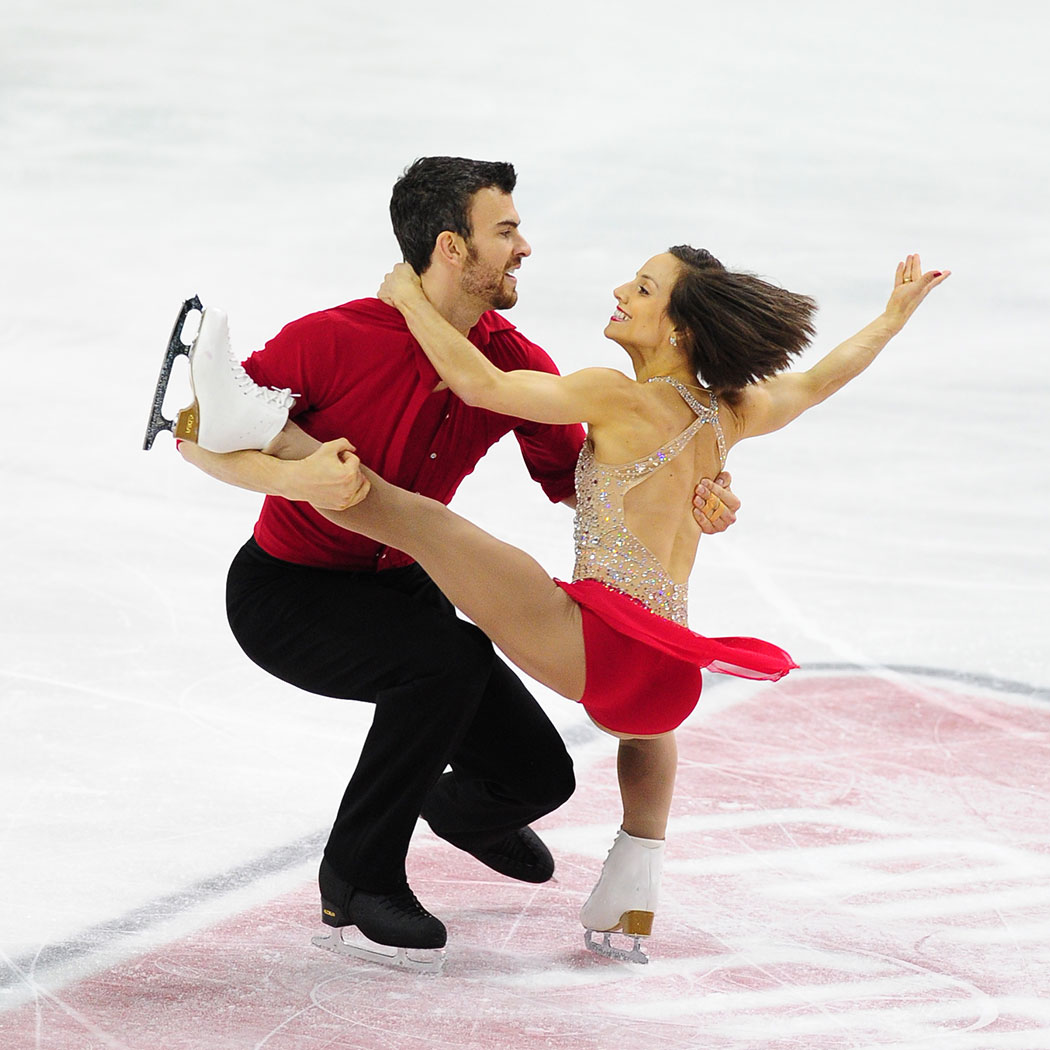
[
  {"x": 738, "y": 328},
  {"x": 434, "y": 195}
]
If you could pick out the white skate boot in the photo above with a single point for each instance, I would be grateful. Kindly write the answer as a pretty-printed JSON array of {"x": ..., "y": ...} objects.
[
  {"x": 624, "y": 899},
  {"x": 229, "y": 411}
]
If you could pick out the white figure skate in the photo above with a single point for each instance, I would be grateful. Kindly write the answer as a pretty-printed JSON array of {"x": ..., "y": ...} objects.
[
  {"x": 237, "y": 413},
  {"x": 624, "y": 900}
]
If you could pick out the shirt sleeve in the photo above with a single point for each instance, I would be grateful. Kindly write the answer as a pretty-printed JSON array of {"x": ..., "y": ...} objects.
[
  {"x": 550, "y": 451},
  {"x": 299, "y": 358}
]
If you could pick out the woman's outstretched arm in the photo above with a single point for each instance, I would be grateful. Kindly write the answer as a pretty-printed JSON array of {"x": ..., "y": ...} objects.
[
  {"x": 592, "y": 395},
  {"x": 775, "y": 402}
]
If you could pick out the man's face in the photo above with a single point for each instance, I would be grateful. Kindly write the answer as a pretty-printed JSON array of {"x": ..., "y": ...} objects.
[{"x": 494, "y": 251}]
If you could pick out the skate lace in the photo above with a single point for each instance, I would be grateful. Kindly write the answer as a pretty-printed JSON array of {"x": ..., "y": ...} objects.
[
  {"x": 515, "y": 848},
  {"x": 406, "y": 904},
  {"x": 268, "y": 394}
]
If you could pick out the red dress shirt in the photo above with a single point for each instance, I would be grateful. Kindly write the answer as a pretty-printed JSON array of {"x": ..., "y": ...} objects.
[{"x": 361, "y": 375}]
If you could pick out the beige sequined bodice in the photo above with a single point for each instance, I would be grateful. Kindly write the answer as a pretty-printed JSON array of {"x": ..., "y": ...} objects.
[{"x": 606, "y": 550}]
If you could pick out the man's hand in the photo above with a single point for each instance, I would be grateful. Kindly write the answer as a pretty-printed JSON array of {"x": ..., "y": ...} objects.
[
  {"x": 330, "y": 478},
  {"x": 714, "y": 506}
]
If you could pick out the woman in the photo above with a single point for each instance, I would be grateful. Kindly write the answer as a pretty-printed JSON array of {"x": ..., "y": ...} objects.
[{"x": 709, "y": 350}]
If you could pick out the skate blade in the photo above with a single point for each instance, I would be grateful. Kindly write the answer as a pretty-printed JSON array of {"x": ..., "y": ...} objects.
[
  {"x": 416, "y": 960},
  {"x": 176, "y": 347},
  {"x": 608, "y": 950}
]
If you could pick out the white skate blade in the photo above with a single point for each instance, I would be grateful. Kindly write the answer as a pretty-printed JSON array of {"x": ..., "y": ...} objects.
[
  {"x": 417, "y": 960},
  {"x": 608, "y": 950}
]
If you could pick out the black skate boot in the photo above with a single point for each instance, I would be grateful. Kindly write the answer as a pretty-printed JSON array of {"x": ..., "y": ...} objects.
[
  {"x": 519, "y": 855},
  {"x": 403, "y": 932}
]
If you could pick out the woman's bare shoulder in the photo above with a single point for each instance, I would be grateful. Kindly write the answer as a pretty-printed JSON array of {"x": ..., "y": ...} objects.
[{"x": 611, "y": 377}]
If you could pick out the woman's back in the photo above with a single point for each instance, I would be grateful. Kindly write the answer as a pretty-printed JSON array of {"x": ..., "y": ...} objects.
[{"x": 635, "y": 528}]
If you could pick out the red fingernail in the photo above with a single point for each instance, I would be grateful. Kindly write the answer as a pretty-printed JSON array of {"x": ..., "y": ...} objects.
[{"x": 936, "y": 273}]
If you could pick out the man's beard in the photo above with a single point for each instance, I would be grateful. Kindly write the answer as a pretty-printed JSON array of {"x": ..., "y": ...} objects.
[{"x": 487, "y": 284}]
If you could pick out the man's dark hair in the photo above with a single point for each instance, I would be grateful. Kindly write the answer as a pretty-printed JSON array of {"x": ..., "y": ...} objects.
[
  {"x": 434, "y": 195},
  {"x": 738, "y": 328}
]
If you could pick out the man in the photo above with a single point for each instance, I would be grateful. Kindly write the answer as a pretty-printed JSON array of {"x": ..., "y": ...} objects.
[{"x": 456, "y": 738}]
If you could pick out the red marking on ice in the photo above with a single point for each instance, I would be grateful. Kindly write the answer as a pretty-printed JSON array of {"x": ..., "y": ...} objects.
[{"x": 852, "y": 862}]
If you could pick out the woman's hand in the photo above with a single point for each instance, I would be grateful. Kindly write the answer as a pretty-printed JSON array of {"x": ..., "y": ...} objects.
[
  {"x": 910, "y": 287},
  {"x": 400, "y": 285}
]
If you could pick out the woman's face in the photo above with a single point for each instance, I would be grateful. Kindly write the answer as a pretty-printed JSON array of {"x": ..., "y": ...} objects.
[{"x": 640, "y": 319}]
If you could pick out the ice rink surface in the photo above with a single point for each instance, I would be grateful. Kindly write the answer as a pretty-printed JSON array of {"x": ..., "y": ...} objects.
[{"x": 859, "y": 856}]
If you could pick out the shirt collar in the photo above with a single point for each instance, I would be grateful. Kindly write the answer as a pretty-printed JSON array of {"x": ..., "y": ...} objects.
[{"x": 489, "y": 324}]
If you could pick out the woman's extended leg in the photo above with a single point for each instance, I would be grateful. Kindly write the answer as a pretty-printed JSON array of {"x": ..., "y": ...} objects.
[{"x": 507, "y": 593}]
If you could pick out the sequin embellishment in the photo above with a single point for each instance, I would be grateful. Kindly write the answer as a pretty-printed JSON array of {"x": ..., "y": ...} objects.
[{"x": 606, "y": 550}]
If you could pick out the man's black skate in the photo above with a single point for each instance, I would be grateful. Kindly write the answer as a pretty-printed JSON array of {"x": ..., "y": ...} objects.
[
  {"x": 402, "y": 931},
  {"x": 519, "y": 855}
]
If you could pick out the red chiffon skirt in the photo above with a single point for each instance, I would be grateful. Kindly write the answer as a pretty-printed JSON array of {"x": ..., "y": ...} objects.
[{"x": 643, "y": 671}]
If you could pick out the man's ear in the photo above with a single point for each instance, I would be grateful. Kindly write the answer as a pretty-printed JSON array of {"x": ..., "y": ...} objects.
[{"x": 450, "y": 248}]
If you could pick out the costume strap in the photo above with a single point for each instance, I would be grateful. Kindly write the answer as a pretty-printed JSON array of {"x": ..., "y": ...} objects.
[{"x": 707, "y": 414}]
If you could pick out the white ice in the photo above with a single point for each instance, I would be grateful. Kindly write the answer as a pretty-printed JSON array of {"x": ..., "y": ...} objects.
[{"x": 245, "y": 152}]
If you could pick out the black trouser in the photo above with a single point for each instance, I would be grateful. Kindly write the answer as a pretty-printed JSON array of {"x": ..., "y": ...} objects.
[{"x": 442, "y": 698}]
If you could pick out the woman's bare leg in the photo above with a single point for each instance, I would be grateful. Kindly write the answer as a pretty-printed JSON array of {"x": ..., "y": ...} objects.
[
  {"x": 627, "y": 893},
  {"x": 646, "y": 768},
  {"x": 507, "y": 593}
]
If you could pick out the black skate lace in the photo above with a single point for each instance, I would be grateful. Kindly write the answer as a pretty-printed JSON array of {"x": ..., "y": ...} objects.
[
  {"x": 405, "y": 903},
  {"x": 514, "y": 848}
]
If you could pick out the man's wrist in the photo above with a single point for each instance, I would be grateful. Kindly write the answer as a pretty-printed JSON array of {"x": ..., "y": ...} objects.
[{"x": 285, "y": 479}]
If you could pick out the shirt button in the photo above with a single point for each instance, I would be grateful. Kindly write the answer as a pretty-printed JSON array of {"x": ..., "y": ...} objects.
[{"x": 433, "y": 455}]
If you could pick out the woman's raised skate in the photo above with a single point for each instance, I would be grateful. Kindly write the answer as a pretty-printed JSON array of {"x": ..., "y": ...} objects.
[{"x": 241, "y": 414}]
